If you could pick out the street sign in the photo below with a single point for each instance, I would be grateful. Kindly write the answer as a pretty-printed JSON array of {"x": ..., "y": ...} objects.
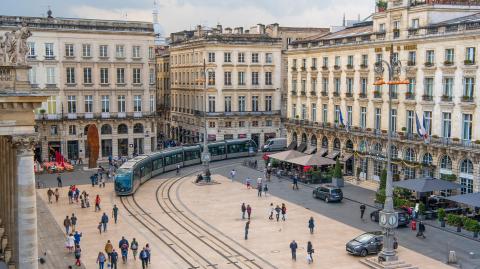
[{"x": 388, "y": 219}]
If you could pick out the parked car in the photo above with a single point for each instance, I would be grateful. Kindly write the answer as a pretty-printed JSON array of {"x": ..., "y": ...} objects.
[
  {"x": 274, "y": 144},
  {"x": 403, "y": 217},
  {"x": 367, "y": 243},
  {"x": 328, "y": 193}
]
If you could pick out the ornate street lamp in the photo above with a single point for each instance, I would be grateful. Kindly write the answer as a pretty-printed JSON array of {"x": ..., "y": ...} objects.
[{"x": 388, "y": 218}]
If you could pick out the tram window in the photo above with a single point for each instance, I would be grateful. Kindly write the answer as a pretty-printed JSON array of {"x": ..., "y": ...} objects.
[
  {"x": 233, "y": 149},
  {"x": 148, "y": 168},
  {"x": 142, "y": 170},
  {"x": 137, "y": 174},
  {"x": 217, "y": 150},
  {"x": 179, "y": 157},
  {"x": 191, "y": 155},
  {"x": 157, "y": 164},
  {"x": 168, "y": 160}
]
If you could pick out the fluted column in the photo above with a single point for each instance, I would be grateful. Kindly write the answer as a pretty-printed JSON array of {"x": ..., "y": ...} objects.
[{"x": 26, "y": 229}]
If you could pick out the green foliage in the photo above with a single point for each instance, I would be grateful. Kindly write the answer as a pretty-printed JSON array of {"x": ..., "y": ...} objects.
[
  {"x": 383, "y": 179},
  {"x": 399, "y": 202},
  {"x": 471, "y": 224},
  {"x": 421, "y": 208},
  {"x": 381, "y": 4},
  {"x": 380, "y": 196},
  {"x": 451, "y": 177},
  {"x": 337, "y": 172},
  {"x": 454, "y": 220},
  {"x": 275, "y": 163},
  {"x": 441, "y": 214}
]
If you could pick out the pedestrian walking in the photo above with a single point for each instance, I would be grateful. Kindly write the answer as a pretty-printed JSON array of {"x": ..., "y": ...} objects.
[
  {"x": 99, "y": 227},
  {"x": 77, "y": 194},
  {"x": 59, "y": 180},
  {"x": 284, "y": 212},
  {"x": 144, "y": 258},
  {"x": 248, "y": 182},
  {"x": 232, "y": 174},
  {"x": 114, "y": 259},
  {"x": 421, "y": 230},
  {"x": 70, "y": 196},
  {"x": 149, "y": 252},
  {"x": 92, "y": 180},
  {"x": 178, "y": 169},
  {"x": 362, "y": 210},
  {"x": 123, "y": 245},
  {"x": 247, "y": 227},
  {"x": 244, "y": 209},
  {"x": 249, "y": 211},
  {"x": 104, "y": 221},
  {"x": 295, "y": 182},
  {"x": 78, "y": 254},
  {"x": 97, "y": 203},
  {"x": 70, "y": 243},
  {"x": 115, "y": 213},
  {"x": 278, "y": 210},
  {"x": 77, "y": 237},
  {"x": 311, "y": 224},
  {"x": 134, "y": 248},
  {"x": 259, "y": 190},
  {"x": 73, "y": 220},
  {"x": 310, "y": 252},
  {"x": 293, "y": 248},
  {"x": 67, "y": 223},
  {"x": 101, "y": 260},
  {"x": 57, "y": 195},
  {"x": 265, "y": 189},
  {"x": 109, "y": 250},
  {"x": 272, "y": 209},
  {"x": 49, "y": 194}
]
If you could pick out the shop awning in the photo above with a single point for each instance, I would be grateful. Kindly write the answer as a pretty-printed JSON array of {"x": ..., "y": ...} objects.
[
  {"x": 426, "y": 184},
  {"x": 302, "y": 147},
  {"x": 322, "y": 152},
  {"x": 310, "y": 149},
  {"x": 346, "y": 156},
  {"x": 312, "y": 160},
  {"x": 333, "y": 154},
  {"x": 286, "y": 155},
  {"x": 293, "y": 145},
  {"x": 471, "y": 199}
]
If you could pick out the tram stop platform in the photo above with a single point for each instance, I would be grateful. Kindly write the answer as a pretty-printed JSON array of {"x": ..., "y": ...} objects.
[{"x": 199, "y": 225}]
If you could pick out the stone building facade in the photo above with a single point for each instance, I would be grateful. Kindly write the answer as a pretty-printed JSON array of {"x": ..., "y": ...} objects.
[
  {"x": 243, "y": 80},
  {"x": 163, "y": 91},
  {"x": 331, "y": 79},
  {"x": 96, "y": 72}
]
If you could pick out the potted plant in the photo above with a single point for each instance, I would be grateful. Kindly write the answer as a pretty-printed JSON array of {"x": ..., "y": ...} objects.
[
  {"x": 435, "y": 136},
  {"x": 468, "y": 62},
  {"x": 404, "y": 129},
  {"x": 421, "y": 210},
  {"x": 337, "y": 178},
  {"x": 441, "y": 217},
  {"x": 456, "y": 139},
  {"x": 477, "y": 142},
  {"x": 42, "y": 112},
  {"x": 476, "y": 229},
  {"x": 382, "y": 5},
  {"x": 458, "y": 222}
]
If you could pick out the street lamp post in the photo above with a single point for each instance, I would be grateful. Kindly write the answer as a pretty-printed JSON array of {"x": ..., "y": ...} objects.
[
  {"x": 388, "y": 218},
  {"x": 205, "y": 153}
]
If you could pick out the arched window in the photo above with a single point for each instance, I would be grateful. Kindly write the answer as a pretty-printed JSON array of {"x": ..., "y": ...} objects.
[
  {"x": 294, "y": 136},
  {"x": 122, "y": 129},
  {"x": 362, "y": 147},
  {"x": 446, "y": 163},
  {"x": 106, "y": 129},
  {"x": 394, "y": 152},
  {"x": 313, "y": 140},
  {"x": 409, "y": 155},
  {"x": 466, "y": 167},
  {"x": 138, "y": 128},
  {"x": 336, "y": 143},
  {"x": 427, "y": 159},
  {"x": 324, "y": 142},
  {"x": 349, "y": 144},
  {"x": 377, "y": 148},
  {"x": 304, "y": 138}
]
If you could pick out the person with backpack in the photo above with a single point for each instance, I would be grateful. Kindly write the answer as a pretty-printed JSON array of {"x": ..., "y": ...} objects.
[
  {"x": 310, "y": 252},
  {"x": 109, "y": 250},
  {"x": 362, "y": 210},
  {"x": 123, "y": 245},
  {"x": 104, "y": 221},
  {"x": 101, "y": 260},
  {"x": 144, "y": 258},
  {"x": 77, "y": 236},
  {"x": 278, "y": 210},
  {"x": 149, "y": 252},
  {"x": 134, "y": 248},
  {"x": 265, "y": 189},
  {"x": 70, "y": 196},
  {"x": 293, "y": 248},
  {"x": 421, "y": 230},
  {"x": 249, "y": 211}
]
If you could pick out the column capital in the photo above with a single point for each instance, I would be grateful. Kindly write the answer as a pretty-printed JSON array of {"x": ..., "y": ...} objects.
[{"x": 24, "y": 143}]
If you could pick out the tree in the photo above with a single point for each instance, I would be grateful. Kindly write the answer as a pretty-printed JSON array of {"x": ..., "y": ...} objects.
[{"x": 337, "y": 172}]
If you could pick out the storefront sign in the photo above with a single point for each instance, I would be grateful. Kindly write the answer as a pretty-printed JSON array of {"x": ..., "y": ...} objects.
[
  {"x": 212, "y": 137},
  {"x": 242, "y": 135}
]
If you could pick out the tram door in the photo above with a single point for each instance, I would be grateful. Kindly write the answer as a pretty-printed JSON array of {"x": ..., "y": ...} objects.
[{"x": 256, "y": 138}]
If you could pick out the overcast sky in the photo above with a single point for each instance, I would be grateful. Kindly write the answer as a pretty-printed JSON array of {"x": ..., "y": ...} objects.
[{"x": 177, "y": 15}]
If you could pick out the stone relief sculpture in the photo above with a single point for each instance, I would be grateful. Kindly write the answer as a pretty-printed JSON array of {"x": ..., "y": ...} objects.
[
  {"x": 93, "y": 145},
  {"x": 14, "y": 48}
]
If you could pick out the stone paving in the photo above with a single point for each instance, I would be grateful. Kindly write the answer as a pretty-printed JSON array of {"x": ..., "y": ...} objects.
[{"x": 216, "y": 208}]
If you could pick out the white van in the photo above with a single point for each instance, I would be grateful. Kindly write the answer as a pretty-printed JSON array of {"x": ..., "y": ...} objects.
[{"x": 274, "y": 144}]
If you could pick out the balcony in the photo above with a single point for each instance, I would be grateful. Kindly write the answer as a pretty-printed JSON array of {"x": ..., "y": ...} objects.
[
  {"x": 427, "y": 97},
  {"x": 121, "y": 115},
  {"x": 325, "y": 68},
  {"x": 362, "y": 95},
  {"x": 446, "y": 98},
  {"x": 348, "y": 94},
  {"x": 467, "y": 99},
  {"x": 336, "y": 67},
  {"x": 394, "y": 95},
  {"x": 72, "y": 116},
  {"x": 469, "y": 62},
  {"x": 336, "y": 94},
  {"x": 429, "y": 64},
  {"x": 293, "y": 93},
  {"x": 303, "y": 69},
  {"x": 409, "y": 96},
  {"x": 448, "y": 63},
  {"x": 363, "y": 66},
  {"x": 313, "y": 93},
  {"x": 105, "y": 115},
  {"x": 413, "y": 31},
  {"x": 411, "y": 63},
  {"x": 377, "y": 94},
  {"x": 88, "y": 115},
  {"x": 303, "y": 93},
  {"x": 313, "y": 68},
  {"x": 324, "y": 93},
  {"x": 350, "y": 66},
  {"x": 294, "y": 68},
  {"x": 137, "y": 114}
]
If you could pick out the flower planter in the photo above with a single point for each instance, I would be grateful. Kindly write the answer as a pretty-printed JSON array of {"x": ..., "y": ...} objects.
[
  {"x": 442, "y": 223},
  {"x": 459, "y": 229},
  {"x": 475, "y": 234}
]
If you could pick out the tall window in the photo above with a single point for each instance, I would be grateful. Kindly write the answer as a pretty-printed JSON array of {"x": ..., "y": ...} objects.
[
  {"x": 69, "y": 51},
  {"x": 255, "y": 58},
  {"x": 49, "y": 50},
  {"x": 136, "y": 76},
  {"x": 428, "y": 87},
  {"x": 363, "y": 117},
  {"x": 337, "y": 114},
  {"x": 151, "y": 76},
  {"x": 365, "y": 60},
  {"x": 120, "y": 75},
  {"x": 31, "y": 49},
  {"x": 363, "y": 86},
  {"x": 412, "y": 58},
  {"x": 104, "y": 75},
  {"x": 449, "y": 56},
  {"x": 32, "y": 75},
  {"x": 137, "y": 103},
  {"x": 324, "y": 113},
  {"x": 411, "y": 86},
  {"x": 268, "y": 103},
  {"x": 466, "y": 176},
  {"x": 468, "y": 87},
  {"x": 241, "y": 57},
  {"x": 304, "y": 85},
  {"x": 294, "y": 110},
  {"x": 325, "y": 85},
  {"x": 211, "y": 57},
  {"x": 152, "y": 103},
  {"x": 268, "y": 78},
  {"x": 228, "y": 104},
  {"x": 393, "y": 126},
  {"x": 120, "y": 51},
  {"x": 350, "y": 60},
  {"x": 71, "y": 104},
  {"x": 136, "y": 52},
  {"x": 86, "y": 50},
  {"x": 88, "y": 103},
  {"x": 410, "y": 120},
  {"x": 378, "y": 118},
  {"x": 52, "y": 105},
  {"x": 105, "y": 103},
  {"x": 70, "y": 75},
  {"x": 211, "y": 103},
  {"x": 447, "y": 87},
  {"x": 227, "y": 57},
  {"x": 304, "y": 111},
  {"x": 51, "y": 75},
  {"x": 349, "y": 115},
  {"x": 242, "y": 103},
  {"x": 427, "y": 121},
  {"x": 337, "y": 85},
  {"x": 103, "y": 51},
  {"x": 430, "y": 56},
  {"x": 313, "y": 82},
  {"x": 254, "y": 78},
  {"x": 467, "y": 127},
  {"x": 470, "y": 55},
  {"x": 241, "y": 78},
  {"x": 337, "y": 60},
  {"x": 121, "y": 103},
  {"x": 87, "y": 75},
  {"x": 314, "y": 112},
  {"x": 349, "y": 85},
  {"x": 254, "y": 103},
  {"x": 211, "y": 78},
  {"x": 325, "y": 62},
  {"x": 446, "y": 124},
  {"x": 227, "y": 78},
  {"x": 314, "y": 63}
]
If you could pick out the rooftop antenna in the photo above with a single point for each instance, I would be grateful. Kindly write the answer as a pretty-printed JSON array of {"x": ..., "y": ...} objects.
[{"x": 344, "y": 24}]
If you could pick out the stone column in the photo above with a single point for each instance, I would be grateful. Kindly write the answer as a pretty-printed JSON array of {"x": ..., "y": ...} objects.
[{"x": 27, "y": 246}]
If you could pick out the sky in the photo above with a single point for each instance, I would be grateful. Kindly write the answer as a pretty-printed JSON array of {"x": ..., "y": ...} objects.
[{"x": 178, "y": 15}]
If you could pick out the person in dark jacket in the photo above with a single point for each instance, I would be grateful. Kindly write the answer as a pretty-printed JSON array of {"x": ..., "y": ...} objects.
[
  {"x": 293, "y": 248},
  {"x": 104, "y": 221},
  {"x": 311, "y": 224},
  {"x": 310, "y": 252},
  {"x": 362, "y": 210},
  {"x": 421, "y": 230},
  {"x": 144, "y": 258},
  {"x": 115, "y": 213},
  {"x": 295, "y": 182},
  {"x": 278, "y": 210},
  {"x": 247, "y": 227},
  {"x": 123, "y": 245},
  {"x": 244, "y": 209},
  {"x": 114, "y": 259}
]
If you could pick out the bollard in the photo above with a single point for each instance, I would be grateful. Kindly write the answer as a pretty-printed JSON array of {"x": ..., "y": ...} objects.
[{"x": 452, "y": 257}]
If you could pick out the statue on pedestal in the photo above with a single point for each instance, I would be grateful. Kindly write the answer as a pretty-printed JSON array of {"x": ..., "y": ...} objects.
[{"x": 14, "y": 48}]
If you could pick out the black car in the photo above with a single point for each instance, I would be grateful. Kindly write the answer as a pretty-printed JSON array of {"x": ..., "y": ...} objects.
[
  {"x": 403, "y": 217},
  {"x": 367, "y": 243},
  {"x": 328, "y": 193}
]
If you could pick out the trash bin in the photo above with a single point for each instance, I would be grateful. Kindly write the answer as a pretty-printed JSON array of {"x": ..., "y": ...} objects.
[{"x": 414, "y": 225}]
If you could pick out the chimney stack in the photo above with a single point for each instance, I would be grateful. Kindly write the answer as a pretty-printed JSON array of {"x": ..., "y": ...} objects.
[
  {"x": 261, "y": 28},
  {"x": 228, "y": 30},
  {"x": 240, "y": 30},
  {"x": 219, "y": 28}
]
